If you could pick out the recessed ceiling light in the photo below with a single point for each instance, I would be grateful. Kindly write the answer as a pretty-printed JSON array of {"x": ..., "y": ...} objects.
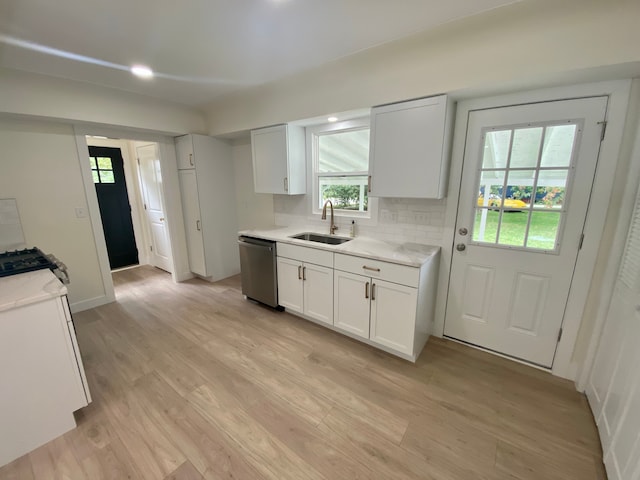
[
  {"x": 142, "y": 71},
  {"x": 332, "y": 119}
]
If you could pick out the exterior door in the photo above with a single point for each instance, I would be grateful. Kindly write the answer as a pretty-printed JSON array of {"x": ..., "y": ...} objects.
[
  {"x": 525, "y": 188},
  {"x": 151, "y": 182},
  {"x": 107, "y": 168}
]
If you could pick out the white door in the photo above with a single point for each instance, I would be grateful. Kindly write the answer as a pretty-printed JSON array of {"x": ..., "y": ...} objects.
[
  {"x": 290, "y": 284},
  {"x": 351, "y": 303},
  {"x": 393, "y": 315},
  {"x": 318, "y": 292},
  {"x": 151, "y": 182},
  {"x": 192, "y": 221},
  {"x": 524, "y": 194}
]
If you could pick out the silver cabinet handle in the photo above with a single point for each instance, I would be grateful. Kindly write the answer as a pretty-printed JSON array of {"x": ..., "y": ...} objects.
[
  {"x": 286, "y": 184},
  {"x": 299, "y": 276},
  {"x": 366, "y": 290},
  {"x": 191, "y": 160},
  {"x": 373, "y": 269},
  {"x": 198, "y": 225},
  {"x": 304, "y": 273},
  {"x": 373, "y": 291}
]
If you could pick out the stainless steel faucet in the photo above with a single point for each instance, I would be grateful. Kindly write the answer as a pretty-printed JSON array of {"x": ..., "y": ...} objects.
[{"x": 333, "y": 227}]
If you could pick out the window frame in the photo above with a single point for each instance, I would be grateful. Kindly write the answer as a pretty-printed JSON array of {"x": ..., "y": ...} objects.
[{"x": 313, "y": 134}]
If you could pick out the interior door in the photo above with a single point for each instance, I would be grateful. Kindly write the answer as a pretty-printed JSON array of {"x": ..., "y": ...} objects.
[
  {"x": 525, "y": 188},
  {"x": 151, "y": 182},
  {"x": 107, "y": 168}
]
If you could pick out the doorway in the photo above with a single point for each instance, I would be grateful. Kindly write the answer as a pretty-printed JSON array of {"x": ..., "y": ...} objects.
[
  {"x": 525, "y": 189},
  {"x": 107, "y": 168},
  {"x": 145, "y": 204}
]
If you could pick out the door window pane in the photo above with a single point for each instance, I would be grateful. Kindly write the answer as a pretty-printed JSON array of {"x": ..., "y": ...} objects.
[
  {"x": 96, "y": 178},
  {"x": 543, "y": 231},
  {"x": 551, "y": 189},
  {"x": 513, "y": 228},
  {"x": 104, "y": 163},
  {"x": 519, "y": 189},
  {"x": 106, "y": 176},
  {"x": 526, "y": 146},
  {"x": 92, "y": 162},
  {"x": 490, "y": 190},
  {"x": 496, "y": 149},
  {"x": 485, "y": 225},
  {"x": 558, "y": 145}
]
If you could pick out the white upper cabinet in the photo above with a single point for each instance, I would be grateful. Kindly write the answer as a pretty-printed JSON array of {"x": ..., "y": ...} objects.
[
  {"x": 184, "y": 152},
  {"x": 279, "y": 160},
  {"x": 409, "y": 148}
]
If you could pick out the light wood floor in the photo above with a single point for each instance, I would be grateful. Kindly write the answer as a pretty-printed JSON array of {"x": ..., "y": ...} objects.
[{"x": 191, "y": 381}]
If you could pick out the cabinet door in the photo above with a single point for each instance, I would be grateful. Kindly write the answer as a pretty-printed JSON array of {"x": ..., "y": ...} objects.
[
  {"x": 393, "y": 315},
  {"x": 269, "y": 149},
  {"x": 290, "y": 284},
  {"x": 184, "y": 152},
  {"x": 192, "y": 222},
  {"x": 318, "y": 292},
  {"x": 351, "y": 303},
  {"x": 406, "y": 149}
]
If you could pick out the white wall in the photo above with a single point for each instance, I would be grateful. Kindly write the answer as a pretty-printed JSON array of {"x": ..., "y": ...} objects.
[
  {"x": 41, "y": 96},
  {"x": 40, "y": 168},
  {"x": 255, "y": 210},
  {"x": 516, "y": 45}
]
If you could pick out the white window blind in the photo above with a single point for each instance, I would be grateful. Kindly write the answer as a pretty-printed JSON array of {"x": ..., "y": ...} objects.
[{"x": 630, "y": 268}]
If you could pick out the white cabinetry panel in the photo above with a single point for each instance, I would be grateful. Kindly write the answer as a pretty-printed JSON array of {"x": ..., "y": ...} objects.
[
  {"x": 393, "y": 315},
  {"x": 409, "y": 148},
  {"x": 351, "y": 303}
]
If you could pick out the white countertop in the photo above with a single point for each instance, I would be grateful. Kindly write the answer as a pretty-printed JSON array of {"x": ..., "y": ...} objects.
[
  {"x": 30, "y": 287},
  {"x": 412, "y": 254}
]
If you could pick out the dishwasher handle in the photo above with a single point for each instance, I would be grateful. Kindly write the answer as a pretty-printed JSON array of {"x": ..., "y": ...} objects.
[{"x": 254, "y": 245}]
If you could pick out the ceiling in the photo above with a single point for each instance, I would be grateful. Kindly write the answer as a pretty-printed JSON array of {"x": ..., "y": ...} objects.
[{"x": 202, "y": 49}]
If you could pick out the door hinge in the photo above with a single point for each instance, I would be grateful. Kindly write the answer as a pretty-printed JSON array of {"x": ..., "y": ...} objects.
[
  {"x": 138, "y": 161},
  {"x": 581, "y": 241},
  {"x": 145, "y": 206},
  {"x": 151, "y": 247},
  {"x": 604, "y": 129},
  {"x": 559, "y": 334}
]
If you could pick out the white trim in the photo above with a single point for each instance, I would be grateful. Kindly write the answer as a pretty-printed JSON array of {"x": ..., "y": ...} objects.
[
  {"x": 618, "y": 92},
  {"x": 615, "y": 252},
  {"x": 89, "y": 303},
  {"x": 94, "y": 216},
  {"x": 370, "y": 217}
]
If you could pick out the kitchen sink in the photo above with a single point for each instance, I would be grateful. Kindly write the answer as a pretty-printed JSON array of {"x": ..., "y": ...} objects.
[{"x": 320, "y": 238}]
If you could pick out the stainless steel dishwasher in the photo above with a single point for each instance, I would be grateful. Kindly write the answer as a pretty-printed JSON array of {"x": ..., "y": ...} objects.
[{"x": 258, "y": 270}]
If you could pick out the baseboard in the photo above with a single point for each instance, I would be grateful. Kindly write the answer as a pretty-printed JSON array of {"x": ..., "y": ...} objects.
[{"x": 90, "y": 303}]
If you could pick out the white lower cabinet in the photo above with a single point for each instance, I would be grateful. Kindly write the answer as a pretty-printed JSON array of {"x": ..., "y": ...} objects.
[
  {"x": 380, "y": 311},
  {"x": 387, "y": 305},
  {"x": 393, "y": 315},
  {"x": 351, "y": 305},
  {"x": 303, "y": 287}
]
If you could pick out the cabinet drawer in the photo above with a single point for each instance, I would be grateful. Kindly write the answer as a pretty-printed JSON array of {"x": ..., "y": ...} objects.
[
  {"x": 304, "y": 254},
  {"x": 391, "y": 272}
]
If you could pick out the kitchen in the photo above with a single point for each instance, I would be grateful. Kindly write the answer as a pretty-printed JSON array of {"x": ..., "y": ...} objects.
[{"x": 67, "y": 110}]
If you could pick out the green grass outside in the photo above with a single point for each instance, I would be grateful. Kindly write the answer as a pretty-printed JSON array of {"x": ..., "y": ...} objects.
[{"x": 542, "y": 231}]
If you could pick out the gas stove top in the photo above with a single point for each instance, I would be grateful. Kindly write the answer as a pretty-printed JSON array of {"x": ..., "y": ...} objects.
[{"x": 29, "y": 260}]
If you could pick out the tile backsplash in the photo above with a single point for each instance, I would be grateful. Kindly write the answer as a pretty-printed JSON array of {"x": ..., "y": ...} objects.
[{"x": 399, "y": 219}]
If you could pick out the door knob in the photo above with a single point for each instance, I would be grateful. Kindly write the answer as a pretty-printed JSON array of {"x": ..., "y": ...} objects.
[
  {"x": 463, "y": 231},
  {"x": 162, "y": 219},
  {"x": 461, "y": 247}
]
